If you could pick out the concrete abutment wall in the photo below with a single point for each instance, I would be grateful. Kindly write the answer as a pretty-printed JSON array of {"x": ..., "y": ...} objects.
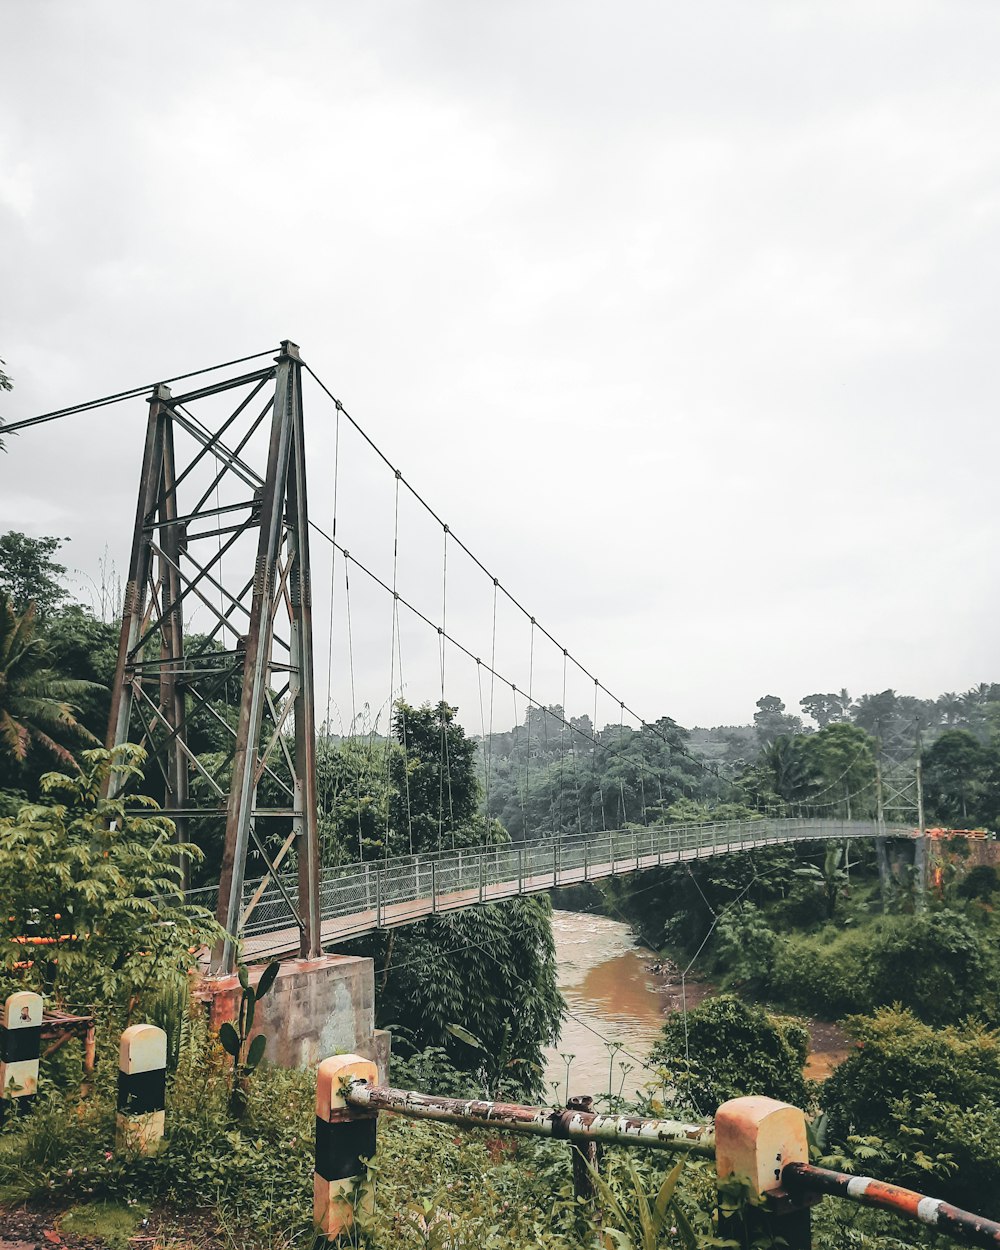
[{"x": 316, "y": 1008}]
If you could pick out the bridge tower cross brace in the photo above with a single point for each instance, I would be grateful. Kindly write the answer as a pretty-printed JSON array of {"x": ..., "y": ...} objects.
[{"x": 266, "y": 645}]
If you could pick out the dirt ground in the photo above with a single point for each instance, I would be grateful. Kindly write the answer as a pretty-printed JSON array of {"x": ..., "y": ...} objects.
[{"x": 24, "y": 1228}]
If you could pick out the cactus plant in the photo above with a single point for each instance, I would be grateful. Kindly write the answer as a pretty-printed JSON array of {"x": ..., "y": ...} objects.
[{"x": 235, "y": 1038}]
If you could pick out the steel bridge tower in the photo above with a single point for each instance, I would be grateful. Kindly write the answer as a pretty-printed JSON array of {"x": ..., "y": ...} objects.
[{"x": 222, "y": 504}]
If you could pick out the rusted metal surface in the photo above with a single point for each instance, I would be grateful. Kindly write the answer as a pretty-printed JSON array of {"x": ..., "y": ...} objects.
[
  {"x": 976, "y": 1230},
  {"x": 205, "y": 517},
  {"x": 586, "y": 1155},
  {"x": 565, "y": 1125},
  {"x": 58, "y": 1027}
]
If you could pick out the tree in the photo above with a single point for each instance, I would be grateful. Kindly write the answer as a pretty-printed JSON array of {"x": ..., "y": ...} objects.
[
  {"x": 34, "y": 700},
  {"x": 435, "y": 796},
  {"x": 28, "y": 573},
  {"x": 771, "y": 720},
  {"x": 877, "y": 713},
  {"x": 840, "y": 761},
  {"x": 83, "y": 648},
  {"x": 950, "y": 708},
  {"x": 782, "y": 772},
  {"x": 489, "y": 970},
  {"x": 955, "y": 773},
  {"x": 98, "y": 887},
  {"x": 830, "y": 879}
]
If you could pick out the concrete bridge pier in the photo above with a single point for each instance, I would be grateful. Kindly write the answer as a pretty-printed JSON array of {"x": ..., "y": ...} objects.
[{"x": 316, "y": 1008}]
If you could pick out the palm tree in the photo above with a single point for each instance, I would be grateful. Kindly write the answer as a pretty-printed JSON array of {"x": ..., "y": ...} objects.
[
  {"x": 34, "y": 700},
  {"x": 950, "y": 707}
]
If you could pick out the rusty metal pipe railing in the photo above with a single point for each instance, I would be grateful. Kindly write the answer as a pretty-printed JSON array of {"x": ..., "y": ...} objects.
[
  {"x": 976, "y": 1230},
  {"x": 748, "y": 1137},
  {"x": 562, "y": 1125}
]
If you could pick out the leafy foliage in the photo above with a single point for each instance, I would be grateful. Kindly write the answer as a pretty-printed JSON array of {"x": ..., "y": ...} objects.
[
  {"x": 926, "y": 1099},
  {"x": 726, "y": 1048},
  {"x": 934, "y": 963},
  {"x": 28, "y": 573},
  {"x": 490, "y": 970},
  {"x": 34, "y": 701},
  {"x": 89, "y": 905}
]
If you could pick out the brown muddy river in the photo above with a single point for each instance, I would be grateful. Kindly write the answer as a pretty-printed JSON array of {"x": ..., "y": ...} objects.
[{"x": 612, "y": 997}]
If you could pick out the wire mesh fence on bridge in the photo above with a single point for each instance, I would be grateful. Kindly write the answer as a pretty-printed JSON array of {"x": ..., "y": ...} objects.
[{"x": 359, "y": 898}]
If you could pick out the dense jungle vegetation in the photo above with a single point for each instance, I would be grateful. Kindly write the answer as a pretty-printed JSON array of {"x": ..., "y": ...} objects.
[{"x": 841, "y": 931}]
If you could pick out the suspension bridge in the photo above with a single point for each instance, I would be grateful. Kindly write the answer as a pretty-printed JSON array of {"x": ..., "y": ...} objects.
[
  {"x": 216, "y": 674},
  {"x": 384, "y": 893}
]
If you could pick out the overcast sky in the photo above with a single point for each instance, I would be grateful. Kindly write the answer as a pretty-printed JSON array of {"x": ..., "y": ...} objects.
[{"x": 683, "y": 316}]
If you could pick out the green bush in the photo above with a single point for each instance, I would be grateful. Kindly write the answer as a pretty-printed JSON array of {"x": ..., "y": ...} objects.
[
  {"x": 932, "y": 1096},
  {"x": 935, "y": 963},
  {"x": 827, "y": 974},
  {"x": 727, "y": 1048},
  {"x": 932, "y": 962}
]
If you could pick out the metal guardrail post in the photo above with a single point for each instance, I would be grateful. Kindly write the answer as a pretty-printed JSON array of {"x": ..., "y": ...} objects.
[
  {"x": 434, "y": 888},
  {"x": 520, "y": 871},
  {"x": 378, "y": 900},
  {"x": 555, "y": 862},
  {"x": 977, "y": 1230},
  {"x": 482, "y": 875}
]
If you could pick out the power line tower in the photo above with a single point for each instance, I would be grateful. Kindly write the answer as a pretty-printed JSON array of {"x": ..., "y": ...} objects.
[{"x": 221, "y": 539}]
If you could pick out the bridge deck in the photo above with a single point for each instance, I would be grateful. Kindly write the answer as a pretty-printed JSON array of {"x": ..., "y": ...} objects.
[{"x": 360, "y": 898}]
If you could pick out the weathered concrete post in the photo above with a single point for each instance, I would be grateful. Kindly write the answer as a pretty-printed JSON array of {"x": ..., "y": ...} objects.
[
  {"x": 344, "y": 1137},
  {"x": 142, "y": 1088},
  {"x": 754, "y": 1139},
  {"x": 20, "y": 1042}
]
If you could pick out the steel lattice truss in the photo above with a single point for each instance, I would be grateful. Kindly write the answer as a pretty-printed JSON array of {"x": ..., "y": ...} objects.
[{"x": 221, "y": 539}]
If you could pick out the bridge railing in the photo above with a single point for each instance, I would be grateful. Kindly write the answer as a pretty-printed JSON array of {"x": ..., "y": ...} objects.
[{"x": 360, "y": 897}]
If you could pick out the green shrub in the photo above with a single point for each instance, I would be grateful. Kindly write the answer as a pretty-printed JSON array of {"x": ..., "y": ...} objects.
[
  {"x": 932, "y": 1096},
  {"x": 935, "y": 963},
  {"x": 728, "y": 1048},
  {"x": 827, "y": 974}
]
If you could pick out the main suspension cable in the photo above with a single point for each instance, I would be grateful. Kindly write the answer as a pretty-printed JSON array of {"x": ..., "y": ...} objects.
[{"x": 12, "y": 427}]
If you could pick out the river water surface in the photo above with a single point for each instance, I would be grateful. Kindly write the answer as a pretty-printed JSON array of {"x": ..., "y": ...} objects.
[{"x": 612, "y": 997}]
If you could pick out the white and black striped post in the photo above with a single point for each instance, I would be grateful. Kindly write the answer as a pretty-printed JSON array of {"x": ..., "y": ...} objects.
[
  {"x": 20, "y": 1043},
  {"x": 142, "y": 1087},
  {"x": 344, "y": 1137}
]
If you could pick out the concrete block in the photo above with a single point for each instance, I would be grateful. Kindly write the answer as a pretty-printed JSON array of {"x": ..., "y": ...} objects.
[
  {"x": 315, "y": 1008},
  {"x": 755, "y": 1138},
  {"x": 343, "y": 1139}
]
